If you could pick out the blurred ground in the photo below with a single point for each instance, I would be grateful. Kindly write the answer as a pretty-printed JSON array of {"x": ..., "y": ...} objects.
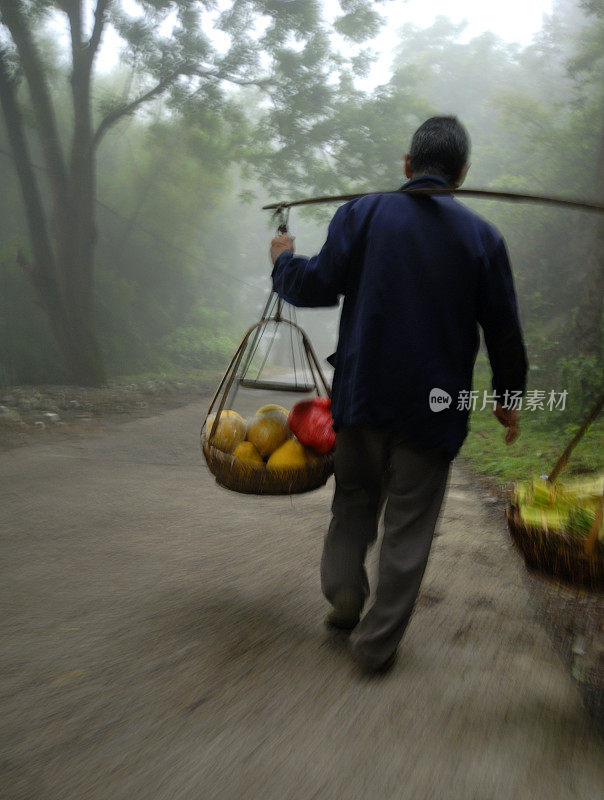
[{"x": 163, "y": 638}]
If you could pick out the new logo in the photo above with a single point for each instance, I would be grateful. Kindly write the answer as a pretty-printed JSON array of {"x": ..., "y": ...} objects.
[{"x": 439, "y": 400}]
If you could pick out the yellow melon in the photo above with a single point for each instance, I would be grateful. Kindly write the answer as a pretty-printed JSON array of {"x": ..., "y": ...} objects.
[
  {"x": 267, "y": 432},
  {"x": 271, "y": 408},
  {"x": 245, "y": 451},
  {"x": 291, "y": 455},
  {"x": 278, "y": 412},
  {"x": 230, "y": 431}
]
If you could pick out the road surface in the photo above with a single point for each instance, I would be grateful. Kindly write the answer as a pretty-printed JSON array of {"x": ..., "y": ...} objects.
[{"x": 162, "y": 639}]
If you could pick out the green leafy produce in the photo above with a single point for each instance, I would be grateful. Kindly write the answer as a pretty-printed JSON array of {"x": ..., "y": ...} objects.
[
  {"x": 567, "y": 507},
  {"x": 580, "y": 520},
  {"x": 550, "y": 519}
]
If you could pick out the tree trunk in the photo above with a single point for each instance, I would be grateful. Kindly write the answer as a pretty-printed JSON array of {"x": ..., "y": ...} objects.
[
  {"x": 76, "y": 345},
  {"x": 75, "y": 232},
  {"x": 74, "y": 245},
  {"x": 61, "y": 271}
]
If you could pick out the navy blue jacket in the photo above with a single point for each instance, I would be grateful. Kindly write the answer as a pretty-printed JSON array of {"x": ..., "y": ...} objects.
[{"x": 418, "y": 275}]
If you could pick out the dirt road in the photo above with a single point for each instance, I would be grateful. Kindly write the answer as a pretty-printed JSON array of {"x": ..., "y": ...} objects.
[{"x": 163, "y": 639}]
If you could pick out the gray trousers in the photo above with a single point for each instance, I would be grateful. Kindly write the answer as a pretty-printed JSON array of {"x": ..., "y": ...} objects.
[{"x": 373, "y": 469}]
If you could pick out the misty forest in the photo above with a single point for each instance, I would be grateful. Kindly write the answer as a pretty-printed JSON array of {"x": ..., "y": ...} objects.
[
  {"x": 131, "y": 236},
  {"x": 229, "y": 575}
]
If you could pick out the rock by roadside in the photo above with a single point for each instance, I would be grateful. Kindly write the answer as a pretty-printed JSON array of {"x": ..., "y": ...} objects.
[{"x": 29, "y": 412}]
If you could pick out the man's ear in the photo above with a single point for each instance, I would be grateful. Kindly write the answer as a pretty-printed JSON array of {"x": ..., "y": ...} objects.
[
  {"x": 408, "y": 172},
  {"x": 462, "y": 174}
]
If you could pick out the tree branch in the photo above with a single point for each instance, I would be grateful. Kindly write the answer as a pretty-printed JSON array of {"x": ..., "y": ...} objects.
[
  {"x": 259, "y": 82},
  {"x": 73, "y": 9},
  {"x": 14, "y": 18},
  {"x": 97, "y": 29},
  {"x": 129, "y": 108}
]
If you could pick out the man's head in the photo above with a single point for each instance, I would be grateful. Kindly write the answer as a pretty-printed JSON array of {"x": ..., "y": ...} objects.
[{"x": 440, "y": 146}]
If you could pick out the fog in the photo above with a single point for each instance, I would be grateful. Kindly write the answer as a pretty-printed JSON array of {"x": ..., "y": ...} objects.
[
  {"x": 321, "y": 102},
  {"x": 163, "y": 604}
]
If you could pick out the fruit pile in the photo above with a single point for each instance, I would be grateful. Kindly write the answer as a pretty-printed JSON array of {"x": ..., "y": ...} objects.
[
  {"x": 567, "y": 508},
  {"x": 268, "y": 440}
]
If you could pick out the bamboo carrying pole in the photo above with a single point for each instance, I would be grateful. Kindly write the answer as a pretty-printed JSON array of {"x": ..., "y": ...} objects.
[{"x": 565, "y": 202}]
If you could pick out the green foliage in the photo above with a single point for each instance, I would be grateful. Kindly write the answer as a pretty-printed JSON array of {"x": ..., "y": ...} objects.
[
  {"x": 159, "y": 256},
  {"x": 191, "y": 346},
  {"x": 359, "y": 22},
  {"x": 203, "y": 341},
  {"x": 584, "y": 379}
]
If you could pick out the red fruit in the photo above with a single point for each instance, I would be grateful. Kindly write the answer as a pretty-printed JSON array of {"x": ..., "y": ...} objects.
[
  {"x": 312, "y": 424},
  {"x": 324, "y": 402}
]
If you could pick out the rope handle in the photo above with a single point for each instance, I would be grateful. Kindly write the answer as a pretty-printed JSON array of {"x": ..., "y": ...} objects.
[
  {"x": 282, "y": 216},
  {"x": 563, "y": 460}
]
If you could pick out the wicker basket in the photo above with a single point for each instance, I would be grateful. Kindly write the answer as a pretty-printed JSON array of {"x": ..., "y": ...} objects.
[
  {"x": 240, "y": 476},
  {"x": 577, "y": 562},
  {"x": 565, "y": 559}
]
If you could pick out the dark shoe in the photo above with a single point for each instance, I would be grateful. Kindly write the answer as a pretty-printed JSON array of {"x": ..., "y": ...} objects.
[
  {"x": 371, "y": 668},
  {"x": 346, "y": 611}
]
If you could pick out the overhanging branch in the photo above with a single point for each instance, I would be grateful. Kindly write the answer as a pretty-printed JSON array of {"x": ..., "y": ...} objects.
[{"x": 129, "y": 108}]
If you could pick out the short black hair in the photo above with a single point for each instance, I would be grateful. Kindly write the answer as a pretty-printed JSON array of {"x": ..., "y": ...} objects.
[{"x": 440, "y": 146}]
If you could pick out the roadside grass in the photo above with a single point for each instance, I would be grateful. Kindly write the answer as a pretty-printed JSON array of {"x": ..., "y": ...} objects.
[
  {"x": 543, "y": 436},
  {"x": 534, "y": 453}
]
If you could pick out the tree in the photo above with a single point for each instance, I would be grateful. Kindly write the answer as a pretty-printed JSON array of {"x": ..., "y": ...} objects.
[
  {"x": 267, "y": 39},
  {"x": 586, "y": 68}
]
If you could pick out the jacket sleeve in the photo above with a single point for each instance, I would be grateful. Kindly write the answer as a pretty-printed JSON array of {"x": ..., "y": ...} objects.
[
  {"x": 498, "y": 318},
  {"x": 318, "y": 281}
]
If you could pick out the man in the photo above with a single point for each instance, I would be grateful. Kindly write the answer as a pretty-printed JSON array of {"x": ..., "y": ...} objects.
[{"x": 418, "y": 275}]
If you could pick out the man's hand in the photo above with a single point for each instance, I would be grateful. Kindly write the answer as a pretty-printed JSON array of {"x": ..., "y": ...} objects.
[
  {"x": 508, "y": 417},
  {"x": 280, "y": 244}
]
